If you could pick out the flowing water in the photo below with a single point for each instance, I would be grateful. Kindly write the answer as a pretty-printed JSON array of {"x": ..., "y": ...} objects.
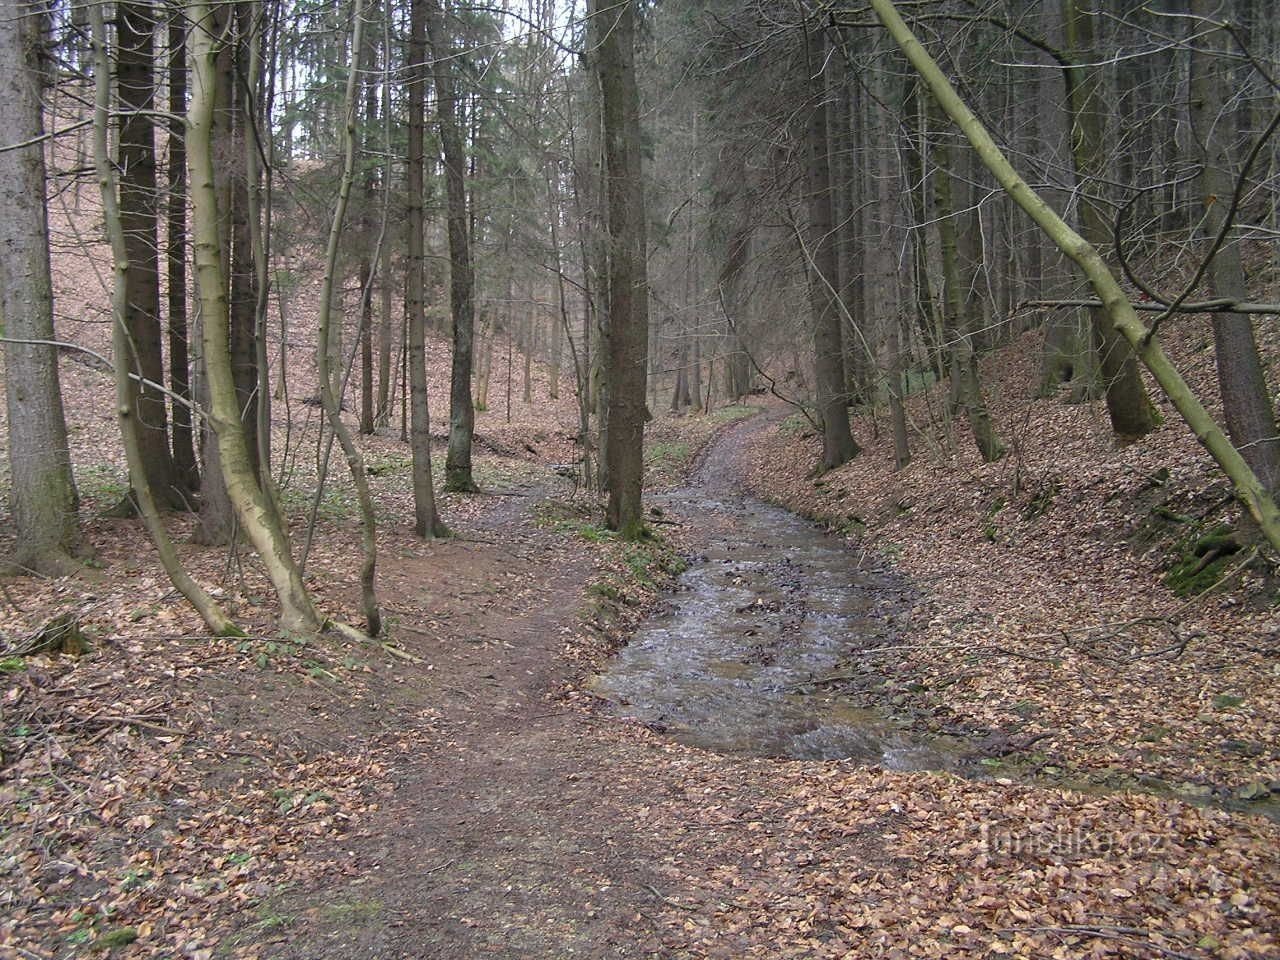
[{"x": 770, "y": 605}]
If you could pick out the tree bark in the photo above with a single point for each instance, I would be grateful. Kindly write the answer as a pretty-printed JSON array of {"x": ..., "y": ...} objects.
[
  {"x": 838, "y": 445},
  {"x": 183, "y": 436},
  {"x": 957, "y": 321},
  {"x": 427, "y": 523},
  {"x": 1246, "y": 406},
  {"x": 43, "y": 494},
  {"x": 329, "y": 397},
  {"x": 628, "y": 294},
  {"x": 1132, "y": 415},
  {"x": 457, "y": 465},
  {"x": 139, "y": 210}
]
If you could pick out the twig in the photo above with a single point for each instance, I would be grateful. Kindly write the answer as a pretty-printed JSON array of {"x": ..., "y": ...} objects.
[
  {"x": 402, "y": 654},
  {"x": 667, "y": 900}
]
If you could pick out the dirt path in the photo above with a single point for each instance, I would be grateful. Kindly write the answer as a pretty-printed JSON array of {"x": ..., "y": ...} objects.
[{"x": 525, "y": 830}]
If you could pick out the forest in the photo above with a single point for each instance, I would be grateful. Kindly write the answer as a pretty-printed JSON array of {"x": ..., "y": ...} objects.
[{"x": 705, "y": 479}]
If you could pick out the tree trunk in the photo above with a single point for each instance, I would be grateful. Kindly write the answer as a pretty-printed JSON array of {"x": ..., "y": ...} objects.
[
  {"x": 457, "y": 465},
  {"x": 43, "y": 494},
  {"x": 258, "y": 519},
  {"x": 1132, "y": 415},
  {"x": 1246, "y": 406},
  {"x": 366, "y": 344},
  {"x": 183, "y": 438},
  {"x": 628, "y": 294},
  {"x": 331, "y": 398},
  {"x": 139, "y": 210},
  {"x": 838, "y": 445},
  {"x": 427, "y": 523},
  {"x": 957, "y": 321}
]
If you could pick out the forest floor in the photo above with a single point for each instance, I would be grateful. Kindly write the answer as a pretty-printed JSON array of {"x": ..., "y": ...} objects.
[
  {"x": 455, "y": 794},
  {"x": 456, "y": 791}
]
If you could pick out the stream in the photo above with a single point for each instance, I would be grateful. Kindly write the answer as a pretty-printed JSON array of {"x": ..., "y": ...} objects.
[{"x": 770, "y": 605}]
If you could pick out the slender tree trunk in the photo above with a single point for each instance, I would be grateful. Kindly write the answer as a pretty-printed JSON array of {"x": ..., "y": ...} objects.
[
  {"x": 385, "y": 392},
  {"x": 1131, "y": 413},
  {"x": 457, "y": 466},
  {"x": 556, "y": 351},
  {"x": 366, "y": 344},
  {"x": 255, "y": 515},
  {"x": 628, "y": 295},
  {"x": 1246, "y": 405},
  {"x": 838, "y": 445},
  {"x": 427, "y": 523},
  {"x": 139, "y": 210},
  {"x": 329, "y": 397},
  {"x": 42, "y": 494},
  {"x": 897, "y": 410},
  {"x": 957, "y": 319},
  {"x": 183, "y": 439},
  {"x": 218, "y": 523}
]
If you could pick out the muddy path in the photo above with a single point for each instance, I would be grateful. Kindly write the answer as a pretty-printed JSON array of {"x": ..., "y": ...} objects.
[{"x": 525, "y": 827}]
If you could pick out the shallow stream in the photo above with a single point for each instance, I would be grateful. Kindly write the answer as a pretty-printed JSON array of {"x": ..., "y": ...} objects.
[{"x": 771, "y": 605}]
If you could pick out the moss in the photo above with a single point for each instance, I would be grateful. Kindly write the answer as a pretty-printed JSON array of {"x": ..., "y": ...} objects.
[
  {"x": 1202, "y": 561},
  {"x": 113, "y": 939}
]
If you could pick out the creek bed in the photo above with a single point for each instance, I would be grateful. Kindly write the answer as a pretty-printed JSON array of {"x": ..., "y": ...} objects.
[{"x": 769, "y": 606}]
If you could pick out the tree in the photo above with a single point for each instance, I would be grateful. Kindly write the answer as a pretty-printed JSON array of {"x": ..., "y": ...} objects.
[
  {"x": 1132, "y": 415},
  {"x": 627, "y": 302},
  {"x": 183, "y": 438},
  {"x": 255, "y": 514},
  {"x": 327, "y": 378},
  {"x": 43, "y": 496},
  {"x": 1246, "y": 406},
  {"x": 139, "y": 211},
  {"x": 838, "y": 446},
  {"x": 427, "y": 521},
  {"x": 457, "y": 467},
  {"x": 957, "y": 321}
]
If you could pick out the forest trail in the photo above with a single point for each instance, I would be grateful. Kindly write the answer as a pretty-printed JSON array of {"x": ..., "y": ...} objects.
[{"x": 528, "y": 829}]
